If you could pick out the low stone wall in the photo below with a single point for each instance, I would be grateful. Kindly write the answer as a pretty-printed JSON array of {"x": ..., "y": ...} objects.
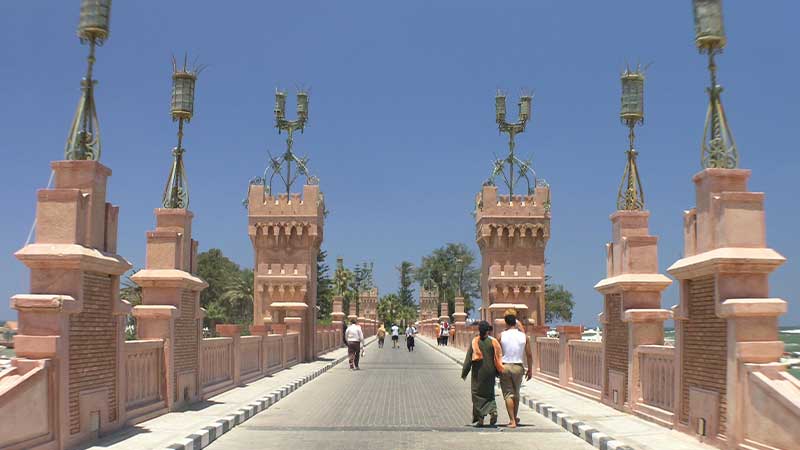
[{"x": 145, "y": 374}]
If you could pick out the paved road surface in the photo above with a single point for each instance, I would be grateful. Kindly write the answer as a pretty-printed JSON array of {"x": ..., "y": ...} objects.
[{"x": 398, "y": 400}]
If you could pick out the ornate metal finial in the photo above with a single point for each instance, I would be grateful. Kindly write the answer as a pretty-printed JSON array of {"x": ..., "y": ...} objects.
[
  {"x": 176, "y": 191},
  {"x": 525, "y": 168},
  {"x": 277, "y": 166},
  {"x": 83, "y": 140},
  {"x": 630, "y": 196},
  {"x": 718, "y": 149}
]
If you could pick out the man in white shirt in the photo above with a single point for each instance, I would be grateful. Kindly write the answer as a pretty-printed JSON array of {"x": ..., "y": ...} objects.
[
  {"x": 514, "y": 343},
  {"x": 410, "y": 332},
  {"x": 355, "y": 339},
  {"x": 395, "y": 336}
]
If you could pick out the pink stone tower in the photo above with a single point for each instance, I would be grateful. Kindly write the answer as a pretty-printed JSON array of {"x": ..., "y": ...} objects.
[
  {"x": 286, "y": 232},
  {"x": 512, "y": 233}
]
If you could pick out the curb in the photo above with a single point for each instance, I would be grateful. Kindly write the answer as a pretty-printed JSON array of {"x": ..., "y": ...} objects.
[
  {"x": 208, "y": 434},
  {"x": 579, "y": 428}
]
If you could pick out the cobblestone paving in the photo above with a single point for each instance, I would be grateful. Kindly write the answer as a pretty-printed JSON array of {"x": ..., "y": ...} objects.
[{"x": 398, "y": 400}]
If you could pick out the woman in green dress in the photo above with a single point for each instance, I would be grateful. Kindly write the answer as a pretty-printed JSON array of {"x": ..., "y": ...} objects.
[{"x": 484, "y": 359}]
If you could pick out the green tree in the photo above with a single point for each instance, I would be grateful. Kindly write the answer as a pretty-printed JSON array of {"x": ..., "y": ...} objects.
[
  {"x": 452, "y": 269},
  {"x": 391, "y": 310},
  {"x": 406, "y": 292},
  {"x": 324, "y": 287},
  {"x": 219, "y": 272},
  {"x": 362, "y": 281},
  {"x": 558, "y": 302},
  {"x": 237, "y": 297}
]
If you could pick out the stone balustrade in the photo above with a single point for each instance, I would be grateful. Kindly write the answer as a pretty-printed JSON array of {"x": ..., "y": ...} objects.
[
  {"x": 216, "y": 364},
  {"x": 655, "y": 386},
  {"x": 145, "y": 375},
  {"x": 586, "y": 362},
  {"x": 547, "y": 356}
]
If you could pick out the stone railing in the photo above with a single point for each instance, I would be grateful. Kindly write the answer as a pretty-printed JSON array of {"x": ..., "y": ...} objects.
[
  {"x": 547, "y": 356},
  {"x": 273, "y": 353},
  {"x": 291, "y": 345},
  {"x": 586, "y": 363},
  {"x": 144, "y": 372},
  {"x": 250, "y": 353},
  {"x": 216, "y": 363},
  {"x": 654, "y": 381}
]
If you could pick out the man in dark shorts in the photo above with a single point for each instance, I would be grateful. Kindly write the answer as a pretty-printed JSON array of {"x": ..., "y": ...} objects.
[{"x": 395, "y": 336}]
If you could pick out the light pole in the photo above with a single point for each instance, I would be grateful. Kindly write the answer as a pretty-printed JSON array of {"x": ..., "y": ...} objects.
[
  {"x": 176, "y": 191},
  {"x": 718, "y": 148},
  {"x": 83, "y": 139},
  {"x": 630, "y": 196}
]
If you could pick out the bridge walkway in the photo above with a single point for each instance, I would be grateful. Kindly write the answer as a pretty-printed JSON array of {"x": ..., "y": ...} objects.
[{"x": 398, "y": 400}]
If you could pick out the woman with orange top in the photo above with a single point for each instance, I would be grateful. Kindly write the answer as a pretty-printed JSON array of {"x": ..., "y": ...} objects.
[{"x": 484, "y": 359}]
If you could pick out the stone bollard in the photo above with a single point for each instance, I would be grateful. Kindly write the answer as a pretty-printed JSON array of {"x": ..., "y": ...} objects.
[{"x": 235, "y": 332}]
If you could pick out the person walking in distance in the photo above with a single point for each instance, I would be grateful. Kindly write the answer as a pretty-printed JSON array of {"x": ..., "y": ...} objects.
[
  {"x": 514, "y": 342},
  {"x": 445, "y": 333},
  {"x": 410, "y": 332},
  {"x": 395, "y": 336},
  {"x": 355, "y": 339},
  {"x": 381, "y": 336},
  {"x": 439, "y": 333},
  {"x": 483, "y": 359}
]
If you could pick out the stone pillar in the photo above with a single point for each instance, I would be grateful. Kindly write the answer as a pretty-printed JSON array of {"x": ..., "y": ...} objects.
[
  {"x": 512, "y": 234},
  {"x": 460, "y": 319},
  {"x": 170, "y": 308},
  {"x": 632, "y": 313},
  {"x": 286, "y": 233},
  {"x": 731, "y": 383},
  {"x": 235, "y": 332},
  {"x": 73, "y": 319},
  {"x": 338, "y": 319},
  {"x": 352, "y": 312}
]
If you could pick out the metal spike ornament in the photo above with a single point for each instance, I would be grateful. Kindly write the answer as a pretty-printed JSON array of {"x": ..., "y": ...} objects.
[
  {"x": 524, "y": 169},
  {"x": 718, "y": 149},
  {"x": 176, "y": 191},
  {"x": 83, "y": 140},
  {"x": 630, "y": 196}
]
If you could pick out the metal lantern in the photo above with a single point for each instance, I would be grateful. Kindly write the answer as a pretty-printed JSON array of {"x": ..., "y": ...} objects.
[
  {"x": 280, "y": 105},
  {"x": 632, "y": 108},
  {"x": 500, "y": 107},
  {"x": 708, "y": 26},
  {"x": 525, "y": 108},
  {"x": 302, "y": 105},
  {"x": 94, "y": 20},
  {"x": 182, "y": 105}
]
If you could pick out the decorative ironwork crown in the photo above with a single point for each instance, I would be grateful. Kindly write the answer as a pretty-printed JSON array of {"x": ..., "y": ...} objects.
[
  {"x": 284, "y": 162},
  {"x": 524, "y": 169}
]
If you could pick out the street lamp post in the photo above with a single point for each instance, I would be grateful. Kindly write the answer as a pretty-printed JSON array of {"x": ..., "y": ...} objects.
[
  {"x": 83, "y": 139},
  {"x": 718, "y": 148},
  {"x": 630, "y": 196}
]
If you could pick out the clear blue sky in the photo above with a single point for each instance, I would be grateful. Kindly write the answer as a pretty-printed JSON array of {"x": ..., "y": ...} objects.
[{"x": 402, "y": 122}]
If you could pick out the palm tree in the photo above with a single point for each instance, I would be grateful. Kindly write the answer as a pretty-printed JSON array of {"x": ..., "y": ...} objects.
[{"x": 238, "y": 297}]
